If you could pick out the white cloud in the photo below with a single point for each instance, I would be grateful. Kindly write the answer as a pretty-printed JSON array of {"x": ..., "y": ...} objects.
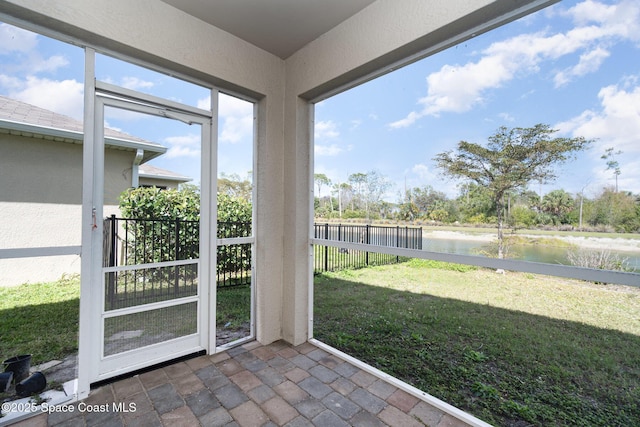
[
  {"x": 204, "y": 104},
  {"x": 327, "y": 150},
  {"x": 64, "y": 97},
  {"x": 589, "y": 63},
  {"x": 421, "y": 175},
  {"x": 10, "y": 82},
  {"x": 507, "y": 117},
  {"x": 14, "y": 39},
  {"x": 355, "y": 124},
  {"x": 236, "y": 117},
  {"x": 459, "y": 88},
  {"x": 135, "y": 83},
  {"x": 617, "y": 123},
  {"x": 621, "y": 20},
  {"x": 328, "y": 130},
  {"x": 183, "y": 146},
  {"x": 423, "y": 172},
  {"x": 22, "y": 58},
  {"x": 325, "y": 130}
]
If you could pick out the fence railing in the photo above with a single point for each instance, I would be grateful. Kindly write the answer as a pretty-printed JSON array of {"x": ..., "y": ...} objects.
[
  {"x": 328, "y": 258},
  {"x": 130, "y": 242}
]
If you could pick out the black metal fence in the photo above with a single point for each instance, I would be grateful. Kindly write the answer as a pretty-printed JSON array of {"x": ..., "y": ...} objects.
[
  {"x": 329, "y": 258},
  {"x": 129, "y": 242},
  {"x": 132, "y": 241}
]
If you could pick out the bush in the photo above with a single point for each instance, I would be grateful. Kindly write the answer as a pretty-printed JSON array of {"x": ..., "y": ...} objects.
[
  {"x": 601, "y": 260},
  {"x": 154, "y": 203},
  {"x": 174, "y": 208}
]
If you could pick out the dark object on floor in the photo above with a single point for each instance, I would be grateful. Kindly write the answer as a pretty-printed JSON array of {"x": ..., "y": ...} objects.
[
  {"x": 19, "y": 365},
  {"x": 34, "y": 384},
  {"x": 5, "y": 381}
]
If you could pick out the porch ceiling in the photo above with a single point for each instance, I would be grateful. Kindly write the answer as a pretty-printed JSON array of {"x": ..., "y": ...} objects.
[{"x": 280, "y": 27}]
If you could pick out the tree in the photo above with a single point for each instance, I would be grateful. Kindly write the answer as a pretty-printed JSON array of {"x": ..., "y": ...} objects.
[
  {"x": 171, "y": 208},
  {"x": 521, "y": 216},
  {"x": 475, "y": 203},
  {"x": 558, "y": 203},
  {"x": 513, "y": 158},
  {"x": 375, "y": 185},
  {"x": 368, "y": 189},
  {"x": 341, "y": 189},
  {"x": 321, "y": 180},
  {"x": 612, "y": 163},
  {"x": 235, "y": 186},
  {"x": 357, "y": 182},
  {"x": 616, "y": 209}
]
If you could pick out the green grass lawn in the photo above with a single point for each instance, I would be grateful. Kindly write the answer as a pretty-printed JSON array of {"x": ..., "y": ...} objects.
[
  {"x": 514, "y": 350},
  {"x": 40, "y": 319}
]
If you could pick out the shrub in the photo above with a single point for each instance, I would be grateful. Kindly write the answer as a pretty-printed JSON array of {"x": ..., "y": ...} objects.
[
  {"x": 598, "y": 259},
  {"x": 175, "y": 206}
]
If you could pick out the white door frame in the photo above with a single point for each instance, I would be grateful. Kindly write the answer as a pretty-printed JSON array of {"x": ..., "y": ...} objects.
[{"x": 92, "y": 365}]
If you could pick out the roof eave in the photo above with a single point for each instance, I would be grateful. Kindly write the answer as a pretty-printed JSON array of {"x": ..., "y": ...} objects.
[
  {"x": 151, "y": 150},
  {"x": 165, "y": 177}
]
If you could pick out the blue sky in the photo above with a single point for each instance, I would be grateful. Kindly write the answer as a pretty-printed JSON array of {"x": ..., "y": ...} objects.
[
  {"x": 50, "y": 74},
  {"x": 574, "y": 66}
]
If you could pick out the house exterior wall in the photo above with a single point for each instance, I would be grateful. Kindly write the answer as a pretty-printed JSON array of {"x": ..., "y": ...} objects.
[
  {"x": 46, "y": 211},
  {"x": 162, "y": 183},
  {"x": 387, "y": 33}
]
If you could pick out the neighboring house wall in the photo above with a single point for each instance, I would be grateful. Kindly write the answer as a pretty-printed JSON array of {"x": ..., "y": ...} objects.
[
  {"x": 41, "y": 200},
  {"x": 160, "y": 183},
  {"x": 150, "y": 176}
]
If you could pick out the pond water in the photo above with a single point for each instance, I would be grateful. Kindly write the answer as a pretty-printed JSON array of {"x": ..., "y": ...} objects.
[{"x": 533, "y": 253}]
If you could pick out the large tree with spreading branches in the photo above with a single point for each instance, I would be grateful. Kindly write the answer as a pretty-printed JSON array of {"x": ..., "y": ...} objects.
[{"x": 512, "y": 159}]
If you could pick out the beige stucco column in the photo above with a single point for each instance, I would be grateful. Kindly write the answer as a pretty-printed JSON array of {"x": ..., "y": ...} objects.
[
  {"x": 298, "y": 202},
  {"x": 385, "y": 35}
]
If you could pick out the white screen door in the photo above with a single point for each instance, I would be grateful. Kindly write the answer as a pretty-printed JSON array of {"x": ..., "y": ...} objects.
[{"x": 151, "y": 294}]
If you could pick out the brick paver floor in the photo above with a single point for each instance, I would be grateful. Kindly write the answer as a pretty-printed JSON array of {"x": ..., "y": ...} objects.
[{"x": 252, "y": 385}]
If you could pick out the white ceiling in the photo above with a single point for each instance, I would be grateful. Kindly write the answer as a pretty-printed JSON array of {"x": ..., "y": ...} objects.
[{"x": 277, "y": 26}]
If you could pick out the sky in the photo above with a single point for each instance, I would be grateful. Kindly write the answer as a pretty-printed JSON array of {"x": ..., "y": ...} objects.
[
  {"x": 50, "y": 74},
  {"x": 574, "y": 66}
]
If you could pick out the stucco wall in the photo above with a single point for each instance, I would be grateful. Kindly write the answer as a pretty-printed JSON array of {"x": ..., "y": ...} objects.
[
  {"x": 40, "y": 203},
  {"x": 162, "y": 183},
  {"x": 35, "y": 225}
]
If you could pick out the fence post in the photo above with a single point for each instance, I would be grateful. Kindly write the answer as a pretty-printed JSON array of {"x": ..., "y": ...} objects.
[
  {"x": 366, "y": 236},
  {"x": 326, "y": 248},
  {"x": 397, "y": 241},
  {"x": 176, "y": 279},
  {"x": 113, "y": 242}
]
